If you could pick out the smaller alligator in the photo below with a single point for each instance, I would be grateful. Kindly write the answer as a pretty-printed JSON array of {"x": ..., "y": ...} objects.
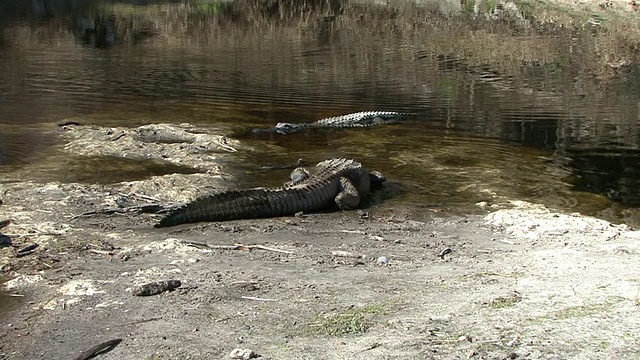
[
  {"x": 341, "y": 182},
  {"x": 354, "y": 120}
]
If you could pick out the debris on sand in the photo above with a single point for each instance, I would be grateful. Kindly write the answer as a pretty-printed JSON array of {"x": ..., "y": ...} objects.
[{"x": 156, "y": 287}]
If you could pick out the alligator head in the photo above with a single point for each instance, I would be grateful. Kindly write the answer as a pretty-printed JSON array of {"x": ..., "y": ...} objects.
[{"x": 287, "y": 128}]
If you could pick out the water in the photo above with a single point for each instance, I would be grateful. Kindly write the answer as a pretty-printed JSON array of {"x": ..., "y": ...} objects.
[{"x": 502, "y": 111}]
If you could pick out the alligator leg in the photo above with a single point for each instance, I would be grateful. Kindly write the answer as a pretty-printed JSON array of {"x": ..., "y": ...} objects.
[
  {"x": 376, "y": 177},
  {"x": 348, "y": 197},
  {"x": 378, "y": 121},
  {"x": 297, "y": 176}
]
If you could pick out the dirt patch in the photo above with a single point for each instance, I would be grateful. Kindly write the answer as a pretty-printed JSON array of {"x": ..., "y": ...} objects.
[{"x": 522, "y": 282}]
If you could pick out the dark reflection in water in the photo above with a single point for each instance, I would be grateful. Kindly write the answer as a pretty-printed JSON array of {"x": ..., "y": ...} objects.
[
  {"x": 496, "y": 101},
  {"x": 615, "y": 173},
  {"x": 541, "y": 133}
]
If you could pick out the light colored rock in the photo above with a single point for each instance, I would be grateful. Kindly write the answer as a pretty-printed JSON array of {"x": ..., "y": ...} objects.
[{"x": 243, "y": 354}]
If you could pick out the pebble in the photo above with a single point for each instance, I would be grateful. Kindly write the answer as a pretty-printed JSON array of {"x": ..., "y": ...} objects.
[
  {"x": 243, "y": 354},
  {"x": 382, "y": 260}
]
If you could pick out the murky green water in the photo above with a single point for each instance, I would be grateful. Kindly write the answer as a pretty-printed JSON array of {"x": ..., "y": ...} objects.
[{"x": 503, "y": 111}]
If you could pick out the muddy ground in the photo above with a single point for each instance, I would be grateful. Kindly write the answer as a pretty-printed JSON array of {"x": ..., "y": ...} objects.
[{"x": 387, "y": 283}]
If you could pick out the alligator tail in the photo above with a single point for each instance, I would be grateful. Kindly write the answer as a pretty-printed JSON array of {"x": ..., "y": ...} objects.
[
  {"x": 228, "y": 205},
  {"x": 251, "y": 204}
]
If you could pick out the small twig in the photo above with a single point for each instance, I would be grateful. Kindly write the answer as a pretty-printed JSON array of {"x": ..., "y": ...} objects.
[
  {"x": 100, "y": 348},
  {"x": 141, "y": 196},
  {"x": 33, "y": 234},
  {"x": 140, "y": 321},
  {"x": 101, "y": 252},
  {"x": 371, "y": 347},
  {"x": 227, "y": 147},
  {"x": 233, "y": 247},
  {"x": 257, "y": 298},
  {"x": 446, "y": 341},
  {"x": 444, "y": 252},
  {"x": 225, "y": 247},
  {"x": 262, "y": 247},
  {"x": 194, "y": 243},
  {"x": 147, "y": 208},
  {"x": 118, "y": 137},
  {"x": 15, "y": 295},
  {"x": 613, "y": 236}
]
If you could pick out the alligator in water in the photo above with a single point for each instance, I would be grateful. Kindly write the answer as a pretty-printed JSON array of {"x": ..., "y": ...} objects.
[
  {"x": 354, "y": 120},
  {"x": 341, "y": 182}
]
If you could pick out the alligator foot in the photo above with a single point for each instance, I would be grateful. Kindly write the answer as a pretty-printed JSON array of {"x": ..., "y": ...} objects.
[{"x": 348, "y": 197}]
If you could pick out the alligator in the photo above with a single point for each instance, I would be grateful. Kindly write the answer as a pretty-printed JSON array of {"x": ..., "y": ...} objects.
[
  {"x": 338, "y": 181},
  {"x": 353, "y": 120}
]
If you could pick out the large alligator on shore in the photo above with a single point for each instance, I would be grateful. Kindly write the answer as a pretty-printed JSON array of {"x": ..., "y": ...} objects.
[
  {"x": 341, "y": 182},
  {"x": 354, "y": 120}
]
